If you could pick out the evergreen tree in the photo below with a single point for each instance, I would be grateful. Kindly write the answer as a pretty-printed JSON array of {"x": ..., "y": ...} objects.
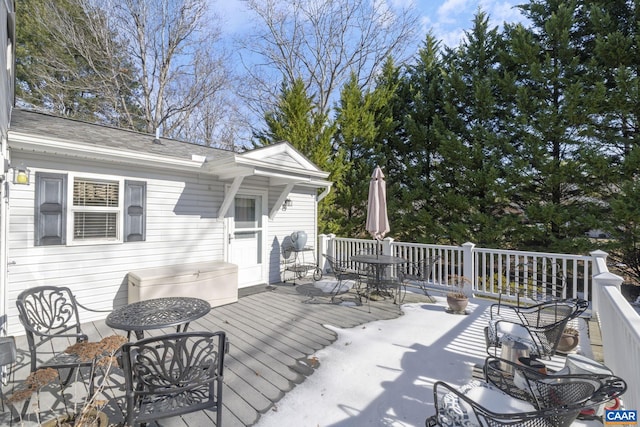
[
  {"x": 298, "y": 121},
  {"x": 388, "y": 109},
  {"x": 411, "y": 145},
  {"x": 559, "y": 196},
  {"x": 474, "y": 173},
  {"x": 69, "y": 63},
  {"x": 353, "y": 160},
  {"x": 612, "y": 30}
]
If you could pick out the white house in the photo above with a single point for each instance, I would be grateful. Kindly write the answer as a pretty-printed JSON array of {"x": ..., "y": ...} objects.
[
  {"x": 7, "y": 75},
  {"x": 87, "y": 204},
  {"x": 82, "y": 205}
]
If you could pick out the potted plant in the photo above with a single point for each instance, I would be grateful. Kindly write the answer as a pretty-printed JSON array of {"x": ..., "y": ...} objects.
[
  {"x": 458, "y": 299},
  {"x": 88, "y": 411},
  {"x": 569, "y": 340}
]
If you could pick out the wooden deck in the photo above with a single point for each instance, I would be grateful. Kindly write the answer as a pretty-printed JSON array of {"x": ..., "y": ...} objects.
[{"x": 272, "y": 332}]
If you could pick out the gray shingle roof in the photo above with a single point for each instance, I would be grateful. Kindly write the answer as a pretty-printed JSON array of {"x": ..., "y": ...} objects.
[{"x": 69, "y": 130}]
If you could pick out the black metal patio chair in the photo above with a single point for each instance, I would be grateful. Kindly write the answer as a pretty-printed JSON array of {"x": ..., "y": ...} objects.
[
  {"x": 51, "y": 321},
  {"x": 342, "y": 273},
  {"x": 174, "y": 374},
  {"x": 419, "y": 273},
  {"x": 516, "y": 395},
  {"x": 8, "y": 356},
  {"x": 552, "y": 389},
  {"x": 538, "y": 327},
  {"x": 375, "y": 286}
]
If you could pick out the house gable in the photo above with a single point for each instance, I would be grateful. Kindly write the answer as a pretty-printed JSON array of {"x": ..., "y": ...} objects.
[{"x": 282, "y": 154}]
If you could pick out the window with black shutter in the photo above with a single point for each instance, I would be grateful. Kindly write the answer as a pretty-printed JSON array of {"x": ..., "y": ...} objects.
[{"x": 98, "y": 211}]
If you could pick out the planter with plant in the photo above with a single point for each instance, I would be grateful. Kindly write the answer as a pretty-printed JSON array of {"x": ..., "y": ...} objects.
[
  {"x": 569, "y": 340},
  {"x": 86, "y": 412},
  {"x": 458, "y": 298}
]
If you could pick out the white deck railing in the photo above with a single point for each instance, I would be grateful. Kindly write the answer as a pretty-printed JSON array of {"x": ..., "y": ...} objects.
[
  {"x": 494, "y": 272},
  {"x": 491, "y": 272},
  {"x": 620, "y": 328}
]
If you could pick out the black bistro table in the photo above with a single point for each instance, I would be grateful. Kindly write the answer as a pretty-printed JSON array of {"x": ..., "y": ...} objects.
[
  {"x": 157, "y": 313},
  {"x": 378, "y": 264}
]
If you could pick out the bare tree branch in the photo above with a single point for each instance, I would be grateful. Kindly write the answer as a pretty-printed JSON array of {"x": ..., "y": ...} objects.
[
  {"x": 322, "y": 42},
  {"x": 180, "y": 69}
]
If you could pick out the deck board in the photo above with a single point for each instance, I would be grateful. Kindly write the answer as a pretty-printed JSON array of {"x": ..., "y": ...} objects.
[{"x": 272, "y": 333}]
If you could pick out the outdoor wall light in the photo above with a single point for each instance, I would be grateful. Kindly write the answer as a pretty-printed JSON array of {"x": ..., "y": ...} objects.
[
  {"x": 287, "y": 204},
  {"x": 21, "y": 175}
]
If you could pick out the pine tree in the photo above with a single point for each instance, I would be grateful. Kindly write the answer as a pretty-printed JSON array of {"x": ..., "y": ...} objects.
[
  {"x": 297, "y": 121},
  {"x": 553, "y": 135},
  {"x": 474, "y": 173},
  {"x": 67, "y": 62},
  {"x": 612, "y": 30},
  {"x": 353, "y": 158},
  {"x": 411, "y": 144}
]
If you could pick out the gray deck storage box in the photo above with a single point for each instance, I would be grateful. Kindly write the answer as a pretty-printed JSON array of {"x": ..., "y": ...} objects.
[{"x": 214, "y": 281}]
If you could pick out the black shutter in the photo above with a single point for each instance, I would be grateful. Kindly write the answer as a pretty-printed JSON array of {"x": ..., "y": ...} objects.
[
  {"x": 135, "y": 194},
  {"x": 50, "y": 209}
]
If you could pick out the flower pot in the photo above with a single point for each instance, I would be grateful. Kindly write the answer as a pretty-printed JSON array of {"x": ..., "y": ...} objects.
[
  {"x": 457, "y": 304},
  {"x": 568, "y": 341}
]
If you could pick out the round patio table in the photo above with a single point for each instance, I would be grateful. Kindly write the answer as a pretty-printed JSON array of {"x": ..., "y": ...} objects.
[
  {"x": 374, "y": 259},
  {"x": 157, "y": 313},
  {"x": 378, "y": 263}
]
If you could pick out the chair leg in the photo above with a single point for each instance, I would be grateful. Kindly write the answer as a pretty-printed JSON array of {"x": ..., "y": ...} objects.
[
  {"x": 68, "y": 378},
  {"x": 6, "y": 373},
  {"x": 336, "y": 289},
  {"x": 423, "y": 286},
  {"x": 401, "y": 292},
  {"x": 368, "y": 292}
]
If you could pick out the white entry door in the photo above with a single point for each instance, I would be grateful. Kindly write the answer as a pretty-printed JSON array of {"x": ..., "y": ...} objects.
[{"x": 246, "y": 239}]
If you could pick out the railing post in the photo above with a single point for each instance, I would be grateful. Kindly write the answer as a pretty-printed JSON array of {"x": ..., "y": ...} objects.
[
  {"x": 386, "y": 246},
  {"x": 324, "y": 243},
  {"x": 599, "y": 262},
  {"x": 468, "y": 267},
  {"x": 599, "y": 281},
  {"x": 601, "y": 277}
]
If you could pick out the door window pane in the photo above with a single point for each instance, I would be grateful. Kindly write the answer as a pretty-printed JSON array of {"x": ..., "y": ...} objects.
[{"x": 245, "y": 213}]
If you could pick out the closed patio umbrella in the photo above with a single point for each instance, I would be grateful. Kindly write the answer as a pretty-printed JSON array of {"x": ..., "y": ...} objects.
[{"x": 377, "y": 220}]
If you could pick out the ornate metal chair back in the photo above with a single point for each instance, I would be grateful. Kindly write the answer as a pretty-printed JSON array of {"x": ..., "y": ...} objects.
[
  {"x": 50, "y": 317},
  {"x": 173, "y": 374}
]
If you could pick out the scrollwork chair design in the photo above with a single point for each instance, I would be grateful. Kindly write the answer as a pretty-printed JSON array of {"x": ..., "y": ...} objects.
[
  {"x": 174, "y": 374},
  {"x": 50, "y": 318}
]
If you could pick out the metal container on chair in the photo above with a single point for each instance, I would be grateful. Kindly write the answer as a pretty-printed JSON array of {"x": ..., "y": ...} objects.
[{"x": 513, "y": 351}]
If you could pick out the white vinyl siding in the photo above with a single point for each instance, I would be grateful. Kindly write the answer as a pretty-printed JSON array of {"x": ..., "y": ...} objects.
[
  {"x": 181, "y": 227},
  {"x": 300, "y": 216}
]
